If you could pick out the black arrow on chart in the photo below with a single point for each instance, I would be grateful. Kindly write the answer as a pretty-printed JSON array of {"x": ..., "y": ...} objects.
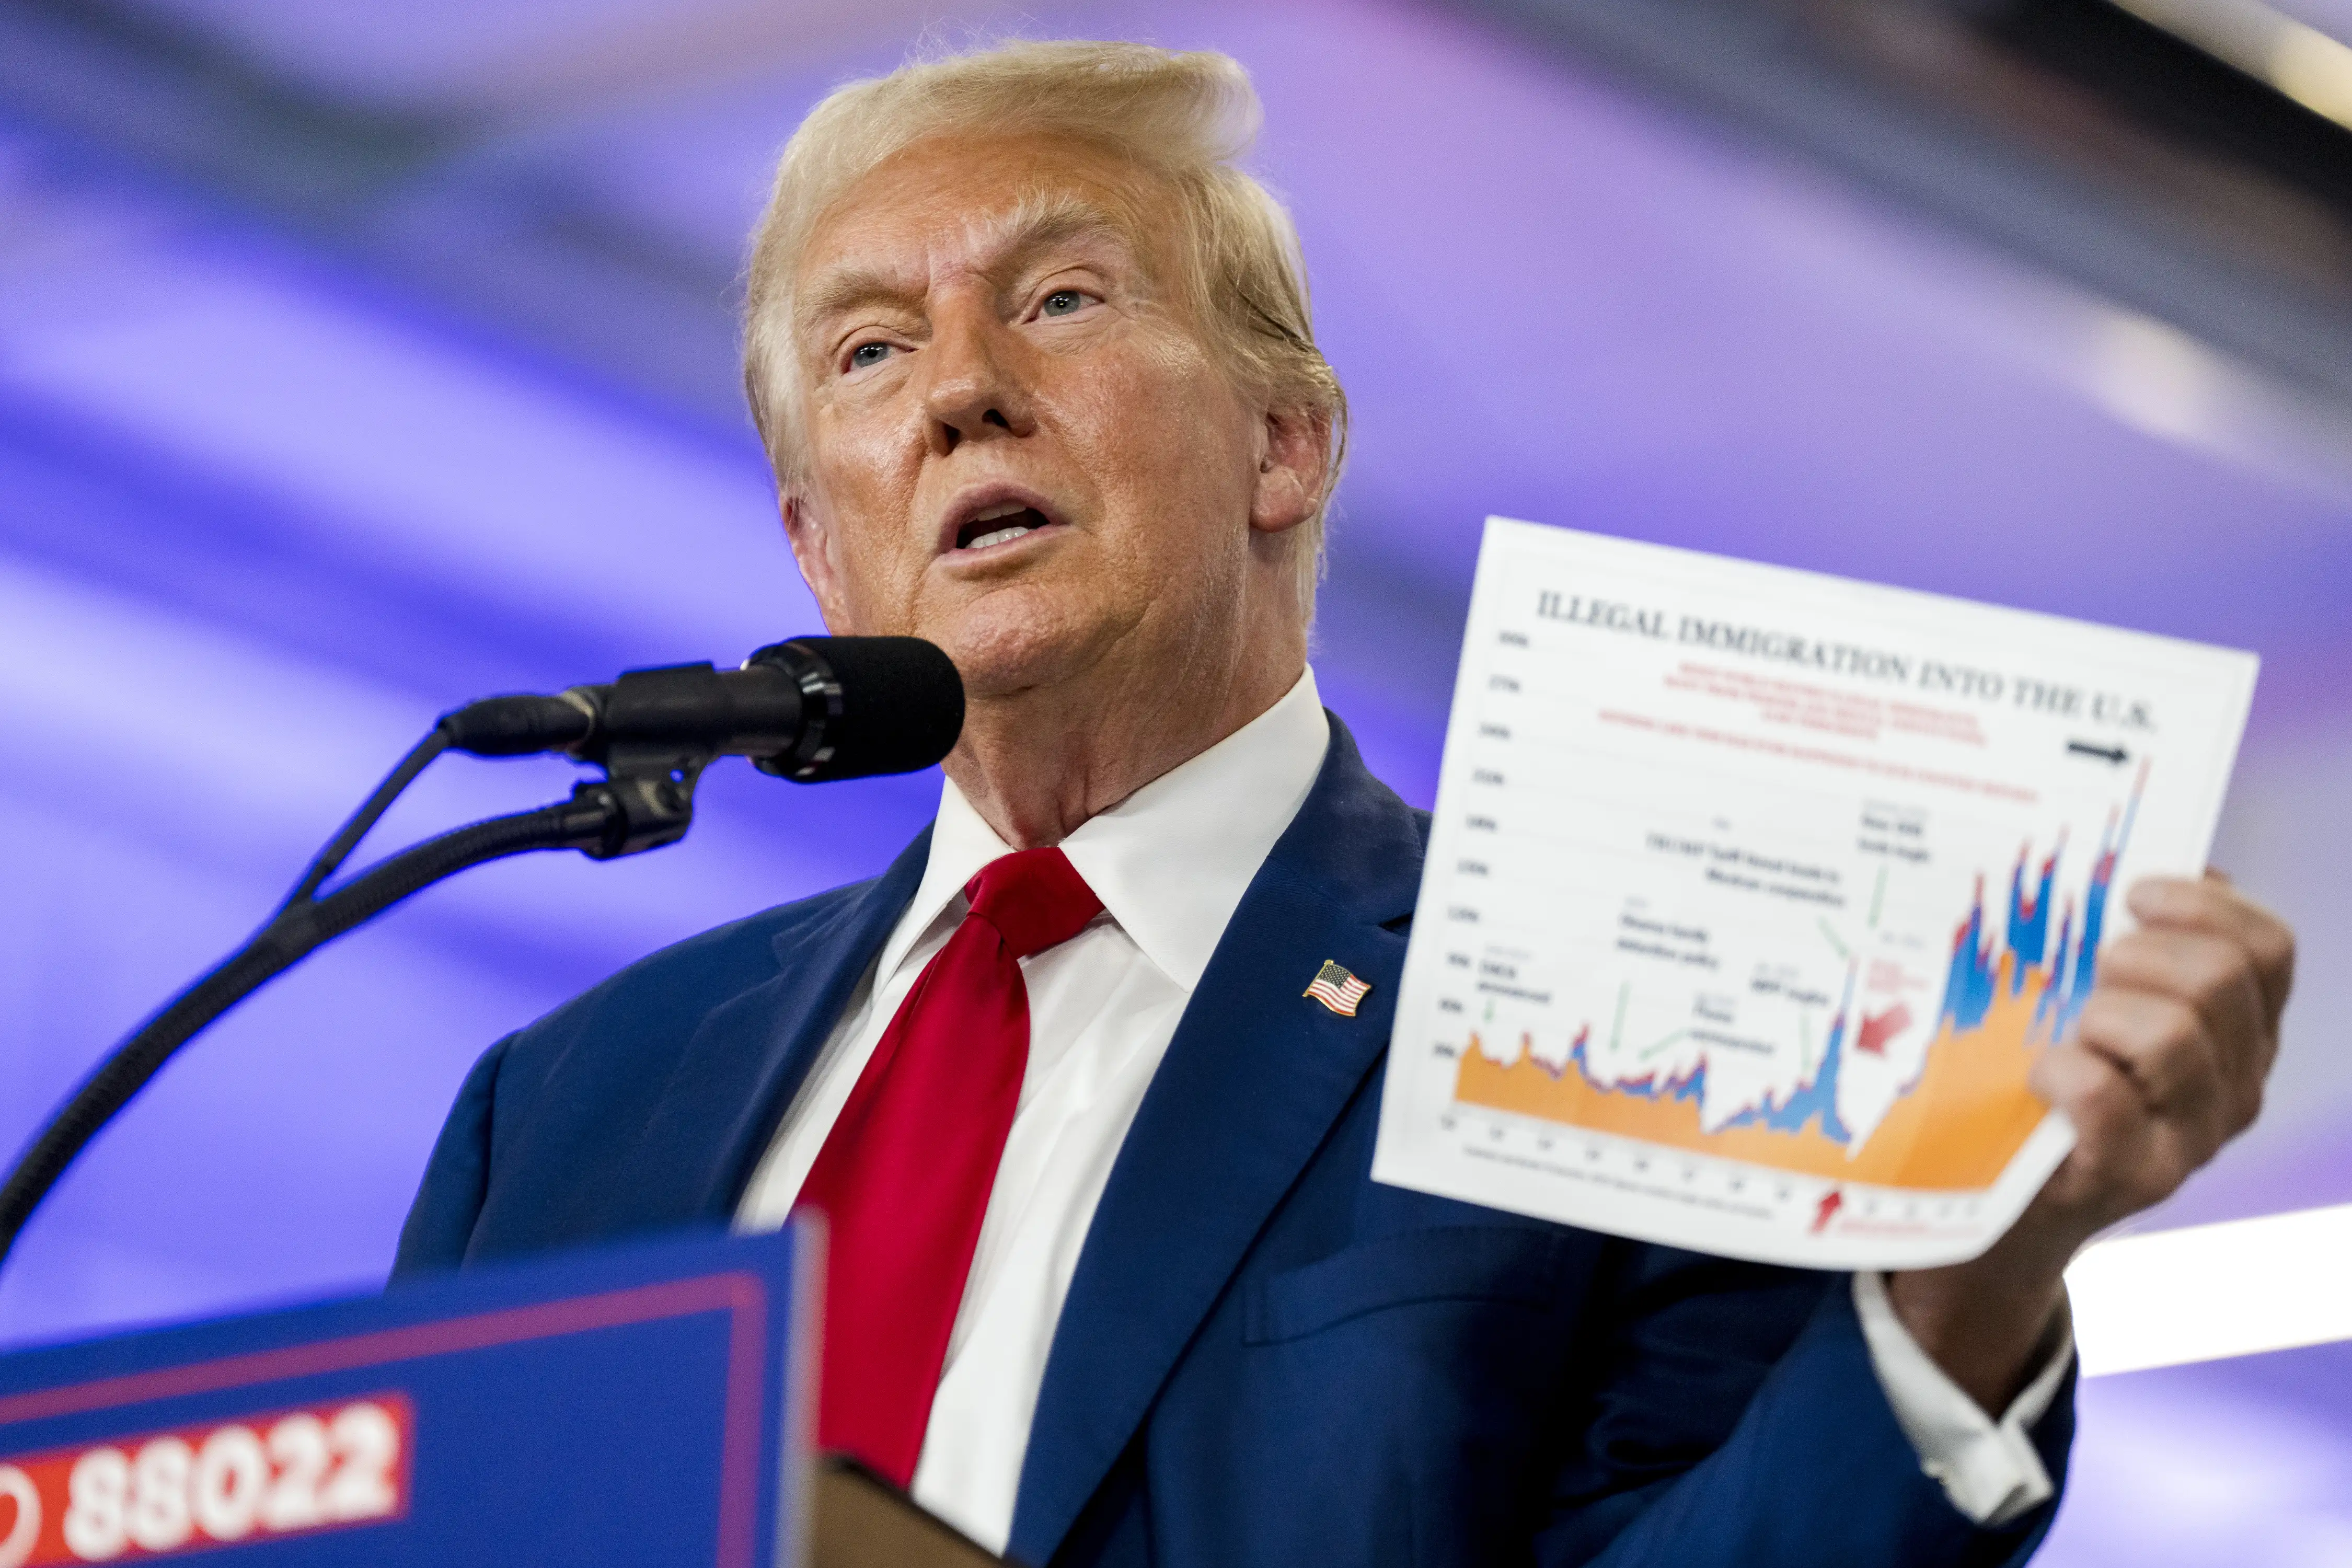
[{"x": 2114, "y": 754}]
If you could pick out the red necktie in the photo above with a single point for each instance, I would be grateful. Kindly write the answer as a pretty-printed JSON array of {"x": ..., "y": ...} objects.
[{"x": 904, "y": 1177}]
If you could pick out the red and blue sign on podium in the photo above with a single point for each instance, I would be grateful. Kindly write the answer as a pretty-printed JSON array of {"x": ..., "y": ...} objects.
[{"x": 631, "y": 1406}]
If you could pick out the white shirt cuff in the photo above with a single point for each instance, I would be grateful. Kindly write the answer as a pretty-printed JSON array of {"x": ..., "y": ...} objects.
[{"x": 1989, "y": 1470}]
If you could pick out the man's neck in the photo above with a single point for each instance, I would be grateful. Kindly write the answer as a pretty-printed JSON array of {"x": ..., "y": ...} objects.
[{"x": 1037, "y": 764}]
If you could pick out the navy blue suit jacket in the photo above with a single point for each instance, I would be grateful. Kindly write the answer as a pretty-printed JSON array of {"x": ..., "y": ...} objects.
[{"x": 1264, "y": 1357}]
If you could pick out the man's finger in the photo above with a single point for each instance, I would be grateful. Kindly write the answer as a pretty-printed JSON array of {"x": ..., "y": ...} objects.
[
  {"x": 2160, "y": 1044},
  {"x": 2215, "y": 906},
  {"x": 2116, "y": 1166},
  {"x": 2214, "y": 975}
]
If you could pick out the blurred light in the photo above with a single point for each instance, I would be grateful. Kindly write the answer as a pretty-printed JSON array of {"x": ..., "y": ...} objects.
[
  {"x": 2156, "y": 379},
  {"x": 2207, "y": 1291},
  {"x": 2315, "y": 71},
  {"x": 2296, "y": 58}
]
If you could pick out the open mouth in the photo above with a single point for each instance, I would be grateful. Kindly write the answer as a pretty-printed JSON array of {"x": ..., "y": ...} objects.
[{"x": 1000, "y": 525}]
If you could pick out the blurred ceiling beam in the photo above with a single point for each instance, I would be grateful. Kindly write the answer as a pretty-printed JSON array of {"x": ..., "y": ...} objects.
[
  {"x": 405, "y": 199},
  {"x": 498, "y": 60},
  {"x": 2291, "y": 56},
  {"x": 2071, "y": 132}
]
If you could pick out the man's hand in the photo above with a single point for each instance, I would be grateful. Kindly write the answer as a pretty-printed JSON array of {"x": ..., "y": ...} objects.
[{"x": 2167, "y": 1064}]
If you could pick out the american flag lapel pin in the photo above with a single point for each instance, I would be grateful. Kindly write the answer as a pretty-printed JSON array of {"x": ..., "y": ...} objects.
[{"x": 1337, "y": 989}]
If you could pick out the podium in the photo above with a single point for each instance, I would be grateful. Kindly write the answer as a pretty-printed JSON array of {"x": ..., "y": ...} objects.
[{"x": 645, "y": 1404}]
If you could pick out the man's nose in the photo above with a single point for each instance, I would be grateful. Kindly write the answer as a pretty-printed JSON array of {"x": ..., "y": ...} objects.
[{"x": 977, "y": 388}]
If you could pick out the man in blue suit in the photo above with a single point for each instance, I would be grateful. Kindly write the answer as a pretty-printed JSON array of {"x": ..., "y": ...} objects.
[{"x": 1110, "y": 1281}]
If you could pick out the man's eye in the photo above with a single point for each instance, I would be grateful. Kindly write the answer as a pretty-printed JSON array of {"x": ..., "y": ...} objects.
[
  {"x": 1062, "y": 301},
  {"x": 868, "y": 354}
]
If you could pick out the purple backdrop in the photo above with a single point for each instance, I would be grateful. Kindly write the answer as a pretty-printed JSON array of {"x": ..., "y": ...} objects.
[{"x": 267, "y": 505}]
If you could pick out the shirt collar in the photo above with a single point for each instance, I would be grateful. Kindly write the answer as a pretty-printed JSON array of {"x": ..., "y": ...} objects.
[{"x": 1171, "y": 861}]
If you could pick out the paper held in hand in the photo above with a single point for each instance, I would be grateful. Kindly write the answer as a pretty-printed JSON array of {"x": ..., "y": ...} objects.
[{"x": 1753, "y": 893}]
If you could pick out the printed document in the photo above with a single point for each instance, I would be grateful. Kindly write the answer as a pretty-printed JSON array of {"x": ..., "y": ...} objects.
[{"x": 1753, "y": 894}]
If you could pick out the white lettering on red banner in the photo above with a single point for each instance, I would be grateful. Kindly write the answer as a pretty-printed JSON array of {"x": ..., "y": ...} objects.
[{"x": 158, "y": 1493}]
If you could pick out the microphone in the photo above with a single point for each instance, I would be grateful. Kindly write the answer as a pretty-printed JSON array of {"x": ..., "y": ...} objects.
[{"x": 808, "y": 710}]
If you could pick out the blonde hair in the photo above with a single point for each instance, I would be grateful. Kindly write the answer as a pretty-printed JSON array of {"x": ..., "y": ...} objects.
[{"x": 1182, "y": 119}]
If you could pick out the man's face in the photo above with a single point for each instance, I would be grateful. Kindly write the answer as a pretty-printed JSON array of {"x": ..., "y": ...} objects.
[{"x": 1016, "y": 443}]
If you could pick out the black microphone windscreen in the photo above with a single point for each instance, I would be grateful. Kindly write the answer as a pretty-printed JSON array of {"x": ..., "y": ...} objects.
[{"x": 901, "y": 705}]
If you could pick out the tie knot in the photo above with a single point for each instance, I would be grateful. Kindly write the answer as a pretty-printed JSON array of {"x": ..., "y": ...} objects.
[{"x": 1034, "y": 898}]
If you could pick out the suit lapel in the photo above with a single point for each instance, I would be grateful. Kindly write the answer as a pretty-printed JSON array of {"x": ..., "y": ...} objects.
[
  {"x": 1252, "y": 1081},
  {"x": 728, "y": 1087}
]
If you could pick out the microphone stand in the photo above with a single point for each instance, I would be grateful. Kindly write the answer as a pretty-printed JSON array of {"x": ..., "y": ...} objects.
[{"x": 645, "y": 801}]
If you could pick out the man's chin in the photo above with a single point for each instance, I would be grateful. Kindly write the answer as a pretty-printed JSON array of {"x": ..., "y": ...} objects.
[{"x": 1016, "y": 641}]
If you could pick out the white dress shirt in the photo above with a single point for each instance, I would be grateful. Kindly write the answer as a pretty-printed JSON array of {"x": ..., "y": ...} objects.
[{"x": 1171, "y": 864}]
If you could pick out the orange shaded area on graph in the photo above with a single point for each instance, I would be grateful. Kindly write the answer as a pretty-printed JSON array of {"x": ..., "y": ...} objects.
[{"x": 1955, "y": 1129}]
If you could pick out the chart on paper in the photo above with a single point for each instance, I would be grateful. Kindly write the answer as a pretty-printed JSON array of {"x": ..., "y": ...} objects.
[{"x": 1753, "y": 894}]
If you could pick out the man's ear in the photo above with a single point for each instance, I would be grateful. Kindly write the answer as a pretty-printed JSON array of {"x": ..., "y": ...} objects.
[
  {"x": 815, "y": 548},
  {"x": 1292, "y": 468}
]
